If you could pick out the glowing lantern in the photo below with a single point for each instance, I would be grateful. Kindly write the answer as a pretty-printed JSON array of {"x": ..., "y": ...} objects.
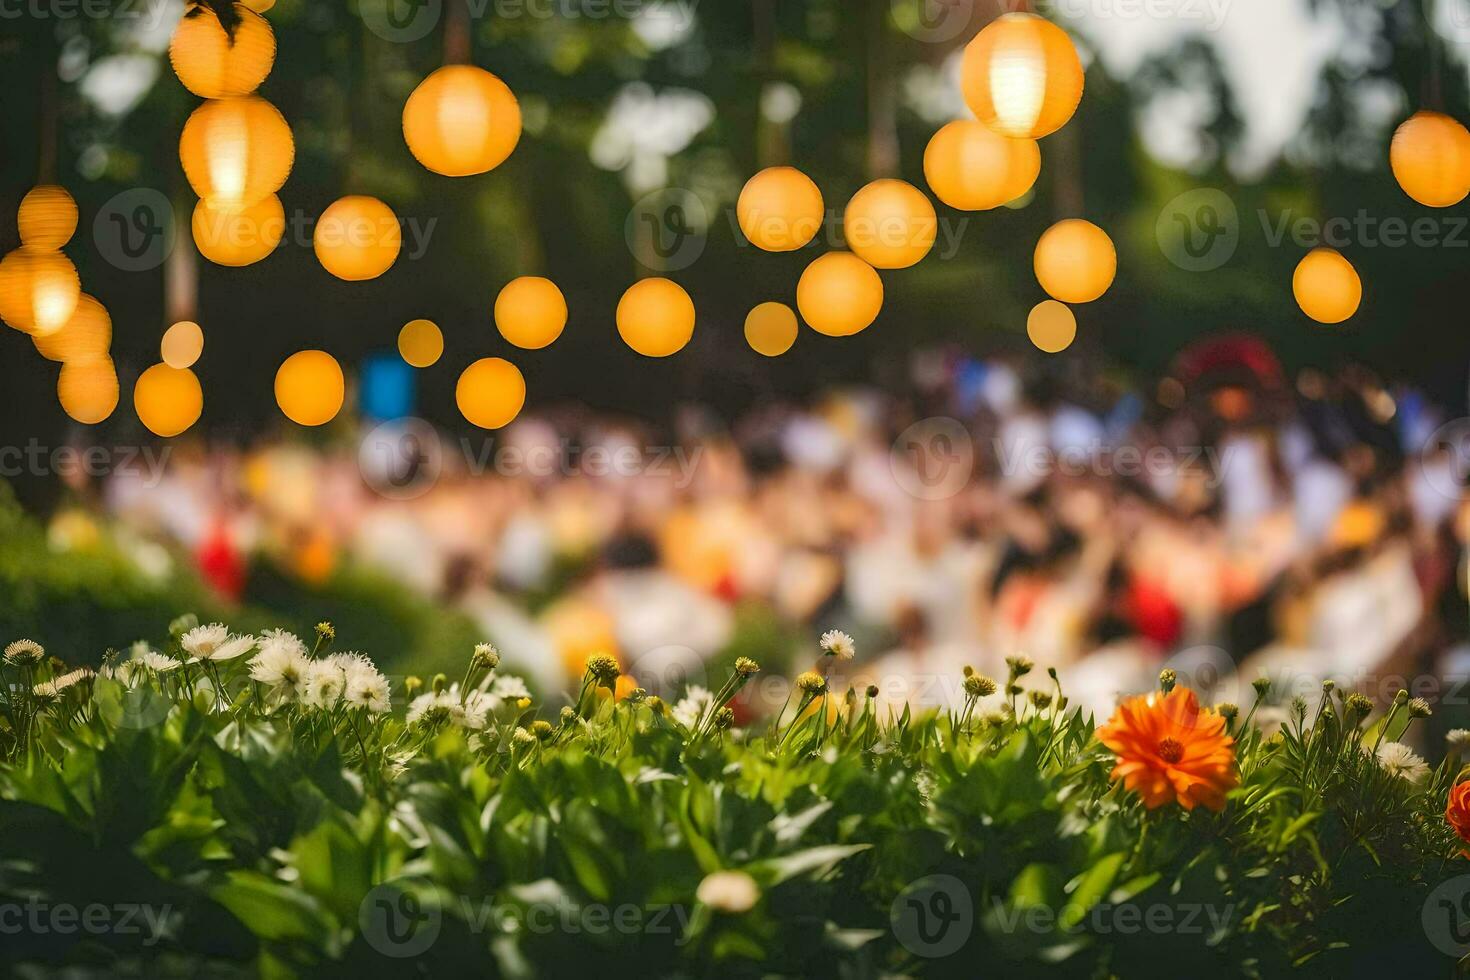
[
  {"x": 236, "y": 151},
  {"x": 215, "y": 65},
  {"x": 655, "y": 317},
  {"x": 182, "y": 344},
  {"x": 530, "y": 312},
  {"x": 839, "y": 294},
  {"x": 971, "y": 167},
  {"x": 1430, "y": 157},
  {"x": 779, "y": 209},
  {"x": 420, "y": 343},
  {"x": 86, "y": 336},
  {"x": 890, "y": 224},
  {"x": 236, "y": 237},
  {"x": 168, "y": 400},
  {"x": 461, "y": 120},
  {"x": 770, "y": 329},
  {"x": 1021, "y": 76},
  {"x": 357, "y": 238},
  {"x": 88, "y": 389},
  {"x": 38, "y": 290},
  {"x": 490, "y": 392},
  {"x": 310, "y": 387},
  {"x": 1051, "y": 326},
  {"x": 1326, "y": 286},
  {"x": 47, "y": 217},
  {"x": 1075, "y": 261}
]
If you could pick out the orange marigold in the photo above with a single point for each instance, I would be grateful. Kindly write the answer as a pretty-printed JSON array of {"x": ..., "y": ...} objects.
[
  {"x": 1170, "y": 749},
  {"x": 1457, "y": 813}
]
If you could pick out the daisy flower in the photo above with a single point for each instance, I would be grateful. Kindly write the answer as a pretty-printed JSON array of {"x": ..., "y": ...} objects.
[
  {"x": 54, "y": 687},
  {"x": 366, "y": 688},
  {"x": 510, "y": 688},
  {"x": 325, "y": 682},
  {"x": 215, "y": 642},
  {"x": 692, "y": 706},
  {"x": 1397, "y": 759},
  {"x": 281, "y": 664},
  {"x": 838, "y": 645},
  {"x": 24, "y": 653},
  {"x": 1170, "y": 750}
]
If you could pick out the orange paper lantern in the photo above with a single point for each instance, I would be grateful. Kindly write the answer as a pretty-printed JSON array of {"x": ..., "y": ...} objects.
[
  {"x": 1075, "y": 261},
  {"x": 168, "y": 400},
  {"x": 182, "y": 344},
  {"x": 1326, "y": 286},
  {"x": 1051, "y": 326},
  {"x": 461, "y": 120},
  {"x": 890, "y": 224},
  {"x": 655, "y": 317},
  {"x": 39, "y": 290},
  {"x": 770, "y": 329},
  {"x": 1021, "y": 76},
  {"x": 87, "y": 389},
  {"x": 1430, "y": 158},
  {"x": 839, "y": 294},
  {"x": 779, "y": 209},
  {"x": 971, "y": 167},
  {"x": 236, "y": 151},
  {"x": 215, "y": 65},
  {"x": 47, "y": 218},
  {"x": 490, "y": 392},
  {"x": 420, "y": 343},
  {"x": 310, "y": 387},
  {"x": 238, "y": 237},
  {"x": 530, "y": 312},
  {"x": 86, "y": 336},
  {"x": 357, "y": 238}
]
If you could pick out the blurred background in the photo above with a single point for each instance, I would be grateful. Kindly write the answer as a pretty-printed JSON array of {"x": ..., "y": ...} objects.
[{"x": 1205, "y": 477}]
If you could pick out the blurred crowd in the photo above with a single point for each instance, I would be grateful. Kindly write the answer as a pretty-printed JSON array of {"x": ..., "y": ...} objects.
[{"x": 1227, "y": 520}]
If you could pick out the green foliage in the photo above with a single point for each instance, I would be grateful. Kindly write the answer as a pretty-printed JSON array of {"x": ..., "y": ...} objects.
[{"x": 271, "y": 833}]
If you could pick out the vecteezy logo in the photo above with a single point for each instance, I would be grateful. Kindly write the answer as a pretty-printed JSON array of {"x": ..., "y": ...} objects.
[
  {"x": 933, "y": 916},
  {"x": 401, "y": 21},
  {"x": 934, "y": 21},
  {"x": 134, "y": 230},
  {"x": 396, "y": 921},
  {"x": 666, "y": 230},
  {"x": 933, "y": 458},
  {"x": 401, "y": 459},
  {"x": 1446, "y": 916},
  {"x": 1199, "y": 230},
  {"x": 1445, "y": 459}
]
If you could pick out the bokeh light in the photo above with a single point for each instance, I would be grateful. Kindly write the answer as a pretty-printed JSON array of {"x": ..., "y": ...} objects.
[
  {"x": 1051, "y": 326},
  {"x": 168, "y": 399},
  {"x": 770, "y": 329},
  {"x": 236, "y": 151},
  {"x": 86, "y": 336},
  {"x": 214, "y": 65},
  {"x": 1075, "y": 261},
  {"x": 357, "y": 238},
  {"x": 1021, "y": 76},
  {"x": 779, "y": 209},
  {"x": 310, "y": 387},
  {"x": 530, "y": 312},
  {"x": 655, "y": 317},
  {"x": 1430, "y": 157},
  {"x": 839, "y": 294},
  {"x": 47, "y": 217},
  {"x": 461, "y": 120},
  {"x": 420, "y": 343},
  {"x": 88, "y": 389},
  {"x": 38, "y": 290},
  {"x": 971, "y": 167},
  {"x": 490, "y": 392},
  {"x": 182, "y": 344},
  {"x": 1326, "y": 286},
  {"x": 239, "y": 236},
  {"x": 890, "y": 224}
]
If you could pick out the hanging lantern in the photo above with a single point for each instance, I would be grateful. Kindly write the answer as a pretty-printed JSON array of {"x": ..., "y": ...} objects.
[
  {"x": 238, "y": 237},
  {"x": 420, "y": 343},
  {"x": 839, "y": 294},
  {"x": 530, "y": 312},
  {"x": 357, "y": 238},
  {"x": 216, "y": 64},
  {"x": 237, "y": 151},
  {"x": 890, "y": 224},
  {"x": 490, "y": 392},
  {"x": 168, "y": 400},
  {"x": 971, "y": 167},
  {"x": 1326, "y": 286},
  {"x": 1430, "y": 158},
  {"x": 1021, "y": 76},
  {"x": 461, "y": 120},
  {"x": 87, "y": 389},
  {"x": 47, "y": 217},
  {"x": 182, "y": 344},
  {"x": 770, "y": 329},
  {"x": 1075, "y": 261},
  {"x": 779, "y": 209},
  {"x": 86, "y": 336},
  {"x": 38, "y": 290},
  {"x": 310, "y": 387},
  {"x": 1051, "y": 326},
  {"x": 655, "y": 317}
]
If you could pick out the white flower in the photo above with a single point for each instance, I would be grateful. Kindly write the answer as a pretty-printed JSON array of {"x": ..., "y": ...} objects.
[
  {"x": 366, "y": 688},
  {"x": 731, "y": 892},
  {"x": 24, "y": 653},
  {"x": 470, "y": 711},
  {"x": 510, "y": 687},
  {"x": 51, "y": 688},
  {"x": 281, "y": 664},
  {"x": 838, "y": 644},
  {"x": 1458, "y": 739},
  {"x": 1398, "y": 759},
  {"x": 692, "y": 705},
  {"x": 214, "y": 642},
  {"x": 420, "y": 707},
  {"x": 325, "y": 682}
]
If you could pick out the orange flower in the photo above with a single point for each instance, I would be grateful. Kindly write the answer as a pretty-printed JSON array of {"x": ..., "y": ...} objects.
[
  {"x": 1457, "y": 813},
  {"x": 1169, "y": 749}
]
